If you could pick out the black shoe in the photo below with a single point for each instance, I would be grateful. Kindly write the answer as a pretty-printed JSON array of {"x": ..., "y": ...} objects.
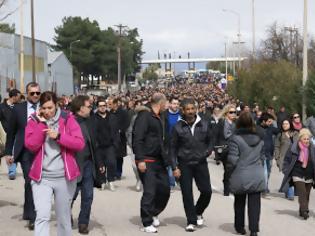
[
  {"x": 72, "y": 221},
  {"x": 241, "y": 231},
  {"x": 83, "y": 229},
  {"x": 305, "y": 215},
  {"x": 31, "y": 225},
  {"x": 253, "y": 234}
]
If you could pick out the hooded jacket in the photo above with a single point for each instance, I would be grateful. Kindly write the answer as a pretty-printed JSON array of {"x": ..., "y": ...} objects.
[
  {"x": 190, "y": 144},
  {"x": 245, "y": 163},
  {"x": 289, "y": 164},
  {"x": 148, "y": 138},
  {"x": 70, "y": 141}
]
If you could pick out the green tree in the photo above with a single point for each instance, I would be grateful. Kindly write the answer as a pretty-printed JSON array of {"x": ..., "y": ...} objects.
[
  {"x": 96, "y": 52},
  {"x": 7, "y": 28},
  {"x": 310, "y": 95},
  {"x": 150, "y": 73},
  {"x": 270, "y": 83}
]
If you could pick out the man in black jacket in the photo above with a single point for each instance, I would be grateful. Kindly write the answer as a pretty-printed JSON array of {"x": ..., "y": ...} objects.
[
  {"x": 121, "y": 118},
  {"x": 14, "y": 147},
  {"x": 148, "y": 146},
  {"x": 6, "y": 109},
  {"x": 191, "y": 144},
  {"x": 107, "y": 141},
  {"x": 86, "y": 159}
]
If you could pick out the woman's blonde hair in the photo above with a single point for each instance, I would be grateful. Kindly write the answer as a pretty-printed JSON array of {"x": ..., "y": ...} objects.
[
  {"x": 226, "y": 110},
  {"x": 304, "y": 132}
]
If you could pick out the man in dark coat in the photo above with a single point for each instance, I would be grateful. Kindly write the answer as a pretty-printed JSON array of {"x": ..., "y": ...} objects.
[
  {"x": 15, "y": 150},
  {"x": 191, "y": 144},
  {"x": 87, "y": 160},
  {"x": 5, "y": 116},
  {"x": 121, "y": 118},
  {"x": 148, "y": 147}
]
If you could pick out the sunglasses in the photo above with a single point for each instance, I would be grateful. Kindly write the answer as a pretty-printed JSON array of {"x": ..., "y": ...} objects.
[
  {"x": 33, "y": 93},
  {"x": 232, "y": 112},
  {"x": 295, "y": 117}
]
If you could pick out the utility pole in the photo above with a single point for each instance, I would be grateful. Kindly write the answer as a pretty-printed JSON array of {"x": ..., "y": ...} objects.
[
  {"x": 254, "y": 29},
  {"x": 226, "y": 63},
  {"x": 120, "y": 34},
  {"x": 291, "y": 30},
  {"x": 33, "y": 42},
  {"x": 21, "y": 49},
  {"x": 305, "y": 68}
]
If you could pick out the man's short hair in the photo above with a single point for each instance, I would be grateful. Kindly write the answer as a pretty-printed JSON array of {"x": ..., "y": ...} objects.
[
  {"x": 188, "y": 101},
  {"x": 157, "y": 98},
  {"x": 14, "y": 93},
  {"x": 31, "y": 85},
  {"x": 78, "y": 102},
  {"x": 266, "y": 116}
]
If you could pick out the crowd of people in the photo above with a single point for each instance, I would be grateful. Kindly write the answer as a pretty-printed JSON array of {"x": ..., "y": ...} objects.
[{"x": 69, "y": 145}]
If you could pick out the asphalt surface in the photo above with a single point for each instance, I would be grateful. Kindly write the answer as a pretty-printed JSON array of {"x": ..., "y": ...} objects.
[{"x": 117, "y": 213}]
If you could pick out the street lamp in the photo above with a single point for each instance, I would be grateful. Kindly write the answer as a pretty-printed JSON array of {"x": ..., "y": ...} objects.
[
  {"x": 76, "y": 41},
  {"x": 239, "y": 33},
  {"x": 254, "y": 30}
]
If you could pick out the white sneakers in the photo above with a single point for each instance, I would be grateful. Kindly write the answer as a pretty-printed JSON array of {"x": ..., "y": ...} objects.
[
  {"x": 190, "y": 228},
  {"x": 138, "y": 186},
  {"x": 111, "y": 186},
  {"x": 149, "y": 229},
  {"x": 156, "y": 221},
  {"x": 152, "y": 228},
  {"x": 200, "y": 220}
]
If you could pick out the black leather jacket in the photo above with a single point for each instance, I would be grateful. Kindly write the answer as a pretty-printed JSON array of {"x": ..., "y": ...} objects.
[{"x": 191, "y": 148}]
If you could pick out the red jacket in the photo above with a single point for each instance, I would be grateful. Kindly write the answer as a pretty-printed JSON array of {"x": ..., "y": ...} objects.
[{"x": 71, "y": 140}]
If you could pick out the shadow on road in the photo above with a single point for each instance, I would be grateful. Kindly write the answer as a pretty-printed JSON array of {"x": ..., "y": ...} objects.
[
  {"x": 6, "y": 203},
  {"x": 135, "y": 220},
  {"x": 227, "y": 227},
  {"x": 288, "y": 212},
  {"x": 176, "y": 220}
]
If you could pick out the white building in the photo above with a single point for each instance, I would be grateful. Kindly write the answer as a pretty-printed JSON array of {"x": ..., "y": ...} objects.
[
  {"x": 60, "y": 73},
  {"x": 10, "y": 65}
]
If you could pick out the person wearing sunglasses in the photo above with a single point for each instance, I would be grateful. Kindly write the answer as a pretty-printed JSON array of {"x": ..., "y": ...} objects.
[
  {"x": 222, "y": 132},
  {"x": 54, "y": 137},
  {"x": 87, "y": 160},
  {"x": 296, "y": 122},
  {"x": 21, "y": 113}
]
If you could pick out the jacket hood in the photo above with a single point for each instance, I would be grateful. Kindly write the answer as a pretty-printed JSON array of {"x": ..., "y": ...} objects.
[
  {"x": 251, "y": 138},
  {"x": 142, "y": 108}
]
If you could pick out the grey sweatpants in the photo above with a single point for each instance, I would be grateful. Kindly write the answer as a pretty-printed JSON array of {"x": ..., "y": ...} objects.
[{"x": 63, "y": 192}]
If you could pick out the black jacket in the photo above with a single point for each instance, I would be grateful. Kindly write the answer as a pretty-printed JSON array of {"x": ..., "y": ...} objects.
[
  {"x": 89, "y": 134},
  {"x": 121, "y": 120},
  {"x": 105, "y": 131},
  {"x": 5, "y": 115},
  {"x": 16, "y": 131},
  {"x": 291, "y": 165},
  {"x": 191, "y": 149},
  {"x": 148, "y": 139}
]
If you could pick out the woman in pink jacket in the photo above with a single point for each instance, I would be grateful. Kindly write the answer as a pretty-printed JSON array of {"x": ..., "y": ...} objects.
[{"x": 53, "y": 136}]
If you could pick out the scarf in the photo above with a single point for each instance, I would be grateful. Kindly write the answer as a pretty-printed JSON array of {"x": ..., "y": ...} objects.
[
  {"x": 303, "y": 154},
  {"x": 297, "y": 126}
]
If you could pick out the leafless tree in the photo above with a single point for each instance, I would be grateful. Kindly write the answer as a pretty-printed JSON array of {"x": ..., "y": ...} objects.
[{"x": 281, "y": 45}]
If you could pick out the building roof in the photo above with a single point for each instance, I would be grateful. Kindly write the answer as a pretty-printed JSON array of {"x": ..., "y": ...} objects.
[{"x": 52, "y": 56}]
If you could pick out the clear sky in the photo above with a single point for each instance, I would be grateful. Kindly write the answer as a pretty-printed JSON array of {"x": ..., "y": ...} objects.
[{"x": 197, "y": 26}]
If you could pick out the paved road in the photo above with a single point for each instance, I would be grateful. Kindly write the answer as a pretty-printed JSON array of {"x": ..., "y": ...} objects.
[{"x": 117, "y": 213}]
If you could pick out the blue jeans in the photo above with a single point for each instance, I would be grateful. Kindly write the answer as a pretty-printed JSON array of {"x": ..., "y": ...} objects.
[
  {"x": 86, "y": 188},
  {"x": 12, "y": 170},
  {"x": 171, "y": 176},
  {"x": 290, "y": 192}
]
